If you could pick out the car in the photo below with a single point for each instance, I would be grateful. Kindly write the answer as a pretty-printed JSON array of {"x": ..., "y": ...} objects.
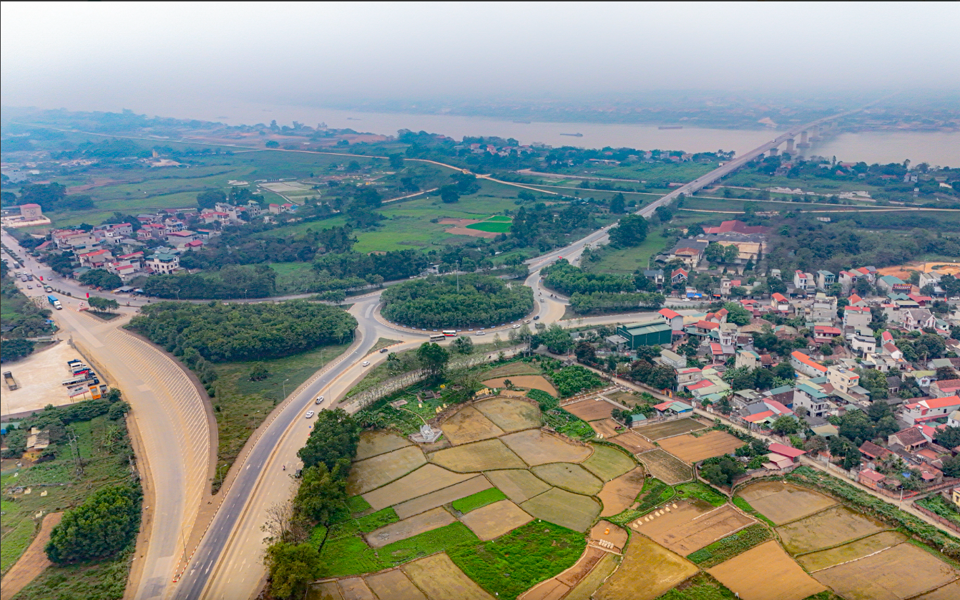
[
  {"x": 384, "y": 350},
  {"x": 481, "y": 333},
  {"x": 516, "y": 327},
  {"x": 309, "y": 414},
  {"x": 526, "y": 320},
  {"x": 365, "y": 363},
  {"x": 319, "y": 399},
  {"x": 536, "y": 318},
  {"x": 29, "y": 287}
]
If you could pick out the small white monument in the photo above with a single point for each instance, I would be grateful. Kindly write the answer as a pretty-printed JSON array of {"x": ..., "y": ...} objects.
[{"x": 427, "y": 434}]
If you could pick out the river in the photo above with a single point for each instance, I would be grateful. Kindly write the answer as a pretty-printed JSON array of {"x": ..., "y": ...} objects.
[{"x": 935, "y": 148}]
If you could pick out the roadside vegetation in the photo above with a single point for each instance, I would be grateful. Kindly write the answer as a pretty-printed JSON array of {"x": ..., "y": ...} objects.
[
  {"x": 456, "y": 302},
  {"x": 20, "y": 319}
]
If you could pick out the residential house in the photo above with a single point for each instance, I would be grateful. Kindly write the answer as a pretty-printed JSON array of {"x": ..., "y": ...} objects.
[
  {"x": 871, "y": 479},
  {"x": 748, "y": 359},
  {"x": 891, "y": 283},
  {"x": 945, "y": 388},
  {"x": 690, "y": 251},
  {"x": 909, "y": 439},
  {"x": 679, "y": 275},
  {"x": 803, "y": 281},
  {"x": 856, "y": 317},
  {"x": 762, "y": 414},
  {"x": 813, "y": 398},
  {"x": 788, "y": 452},
  {"x": 842, "y": 379},
  {"x": 825, "y": 279},
  {"x": 864, "y": 344},
  {"x": 929, "y": 409},
  {"x": 654, "y": 275},
  {"x": 806, "y": 365},
  {"x": 673, "y": 408},
  {"x": 688, "y": 376},
  {"x": 98, "y": 259},
  {"x": 163, "y": 264},
  {"x": 672, "y": 359},
  {"x": 915, "y": 320},
  {"x": 780, "y": 303},
  {"x": 823, "y": 334},
  {"x": 673, "y": 318},
  {"x": 179, "y": 239}
]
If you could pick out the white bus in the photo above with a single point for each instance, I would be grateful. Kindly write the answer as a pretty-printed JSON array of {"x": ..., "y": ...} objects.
[
  {"x": 437, "y": 338},
  {"x": 449, "y": 333}
]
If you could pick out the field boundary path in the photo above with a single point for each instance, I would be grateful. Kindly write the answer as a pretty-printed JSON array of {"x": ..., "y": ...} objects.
[{"x": 32, "y": 562}]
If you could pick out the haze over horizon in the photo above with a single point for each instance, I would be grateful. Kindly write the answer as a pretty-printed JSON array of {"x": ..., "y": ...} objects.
[{"x": 161, "y": 58}]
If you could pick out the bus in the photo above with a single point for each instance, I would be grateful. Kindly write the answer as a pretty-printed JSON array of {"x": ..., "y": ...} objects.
[
  {"x": 449, "y": 333},
  {"x": 437, "y": 338}
]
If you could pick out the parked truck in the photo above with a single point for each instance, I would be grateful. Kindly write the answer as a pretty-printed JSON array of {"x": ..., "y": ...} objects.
[
  {"x": 54, "y": 302},
  {"x": 9, "y": 380}
]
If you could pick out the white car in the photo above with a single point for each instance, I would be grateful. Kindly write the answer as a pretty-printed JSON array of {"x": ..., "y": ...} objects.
[
  {"x": 516, "y": 327},
  {"x": 319, "y": 399},
  {"x": 309, "y": 414},
  {"x": 365, "y": 363},
  {"x": 481, "y": 333}
]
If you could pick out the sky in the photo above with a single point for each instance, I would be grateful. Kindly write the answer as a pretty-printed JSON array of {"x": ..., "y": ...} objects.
[{"x": 151, "y": 57}]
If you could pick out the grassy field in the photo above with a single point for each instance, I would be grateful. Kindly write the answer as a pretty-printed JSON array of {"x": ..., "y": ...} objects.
[
  {"x": 699, "y": 587},
  {"x": 491, "y": 226},
  {"x": 628, "y": 260},
  {"x": 478, "y": 500},
  {"x": 104, "y": 580},
  {"x": 241, "y": 405}
]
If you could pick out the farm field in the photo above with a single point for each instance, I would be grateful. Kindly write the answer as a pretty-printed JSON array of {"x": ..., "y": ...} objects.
[
  {"x": 781, "y": 502},
  {"x": 947, "y": 592},
  {"x": 494, "y": 520},
  {"x": 526, "y": 382},
  {"x": 407, "y": 528},
  {"x": 659, "y": 431},
  {"x": 591, "y": 409},
  {"x": 510, "y": 414},
  {"x": 608, "y": 463},
  {"x": 440, "y": 579},
  {"x": 766, "y": 572},
  {"x": 373, "y": 443},
  {"x": 899, "y": 572},
  {"x": 393, "y": 584},
  {"x": 513, "y": 368},
  {"x": 573, "y": 478},
  {"x": 369, "y": 474},
  {"x": 607, "y": 429},
  {"x": 647, "y": 571},
  {"x": 826, "y": 529},
  {"x": 537, "y": 448},
  {"x": 589, "y": 584},
  {"x": 666, "y": 467},
  {"x": 426, "y": 479},
  {"x": 469, "y": 425},
  {"x": 619, "y": 494},
  {"x": 518, "y": 485},
  {"x": 478, "y": 456},
  {"x": 632, "y": 442},
  {"x": 691, "y": 525},
  {"x": 440, "y": 497},
  {"x": 564, "y": 508},
  {"x": 691, "y": 449},
  {"x": 824, "y": 559}
]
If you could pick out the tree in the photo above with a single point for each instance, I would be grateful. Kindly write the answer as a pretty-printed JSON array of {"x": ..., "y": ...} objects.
[
  {"x": 586, "y": 353},
  {"x": 272, "y": 144},
  {"x": 951, "y": 466},
  {"x": 433, "y": 358},
  {"x": 949, "y": 437},
  {"x": 335, "y": 435},
  {"x": 737, "y": 314},
  {"x": 695, "y": 230},
  {"x": 292, "y": 567},
  {"x": 630, "y": 232},
  {"x": 722, "y": 472},
  {"x": 785, "y": 425},
  {"x": 713, "y": 253},
  {"x": 210, "y": 199},
  {"x": 618, "y": 204},
  {"x": 815, "y": 444},
  {"x": 664, "y": 214},
  {"x": 322, "y": 492},
  {"x": 464, "y": 345},
  {"x": 259, "y": 372},
  {"x": 101, "y": 279},
  {"x": 396, "y": 161},
  {"x": 449, "y": 194},
  {"x": 103, "y": 305},
  {"x": 106, "y": 523},
  {"x": 784, "y": 370},
  {"x": 556, "y": 339}
]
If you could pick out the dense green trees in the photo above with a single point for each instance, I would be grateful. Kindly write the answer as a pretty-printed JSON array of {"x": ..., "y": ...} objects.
[
  {"x": 292, "y": 567},
  {"x": 437, "y": 303},
  {"x": 584, "y": 304},
  {"x": 238, "y": 332},
  {"x": 433, "y": 358},
  {"x": 660, "y": 377},
  {"x": 555, "y": 338},
  {"x": 574, "y": 379},
  {"x": 568, "y": 279},
  {"x": 396, "y": 264},
  {"x": 630, "y": 232},
  {"x": 335, "y": 436},
  {"x": 229, "y": 282},
  {"x": 721, "y": 471},
  {"x": 104, "y": 524},
  {"x": 52, "y": 197},
  {"x": 103, "y": 305},
  {"x": 101, "y": 279},
  {"x": 322, "y": 491},
  {"x": 545, "y": 227}
]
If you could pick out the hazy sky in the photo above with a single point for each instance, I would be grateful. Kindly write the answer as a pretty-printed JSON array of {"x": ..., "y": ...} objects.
[{"x": 151, "y": 56}]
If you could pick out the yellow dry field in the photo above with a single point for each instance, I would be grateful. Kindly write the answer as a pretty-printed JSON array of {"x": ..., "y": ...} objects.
[
  {"x": 606, "y": 428},
  {"x": 518, "y": 485},
  {"x": 527, "y": 382},
  {"x": 407, "y": 528},
  {"x": 900, "y": 572},
  {"x": 514, "y": 368},
  {"x": 426, "y": 479},
  {"x": 556, "y": 587},
  {"x": 328, "y": 590},
  {"x": 589, "y": 585},
  {"x": 440, "y": 579},
  {"x": 510, "y": 414},
  {"x": 692, "y": 525},
  {"x": 393, "y": 584},
  {"x": 469, "y": 425},
  {"x": 630, "y": 441},
  {"x": 441, "y": 497},
  {"x": 619, "y": 494},
  {"x": 550, "y": 589},
  {"x": 608, "y": 463},
  {"x": 816, "y": 561},
  {"x": 536, "y": 447},
  {"x": 691, "y": 449},
  {"x": 666, "y": 467},
  {"x": 373, "y": 443},
  {"x": 354, "y": 588},
  {"x": 782, "y": 502},
  {"x": 478, "y": 456},
  {"x": 766, "y": 572},
  {"x": 493, "y": 520},
  {"x": 647, "y": 571},
  {"x": 564, "y": 508},
  {"x": 826, "y": 529},
  {"x": 951, "y": 591},
  {"x": 570, "y": 477},
  {"x": 591, "y": 409},
  {"x": 369, "y": 474}
]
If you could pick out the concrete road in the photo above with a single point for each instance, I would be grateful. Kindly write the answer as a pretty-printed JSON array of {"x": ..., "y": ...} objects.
[{"x": 173, "y": 428}]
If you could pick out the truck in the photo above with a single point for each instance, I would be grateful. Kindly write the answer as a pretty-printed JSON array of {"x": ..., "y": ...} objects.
[
  {"x": 54, "y": 302},
  {"x": 8, "y": 379}
]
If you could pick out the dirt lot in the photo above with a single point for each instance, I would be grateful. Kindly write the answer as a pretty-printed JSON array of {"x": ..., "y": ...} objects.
[
  {"x": 591, "y": 409},
  {"x": 478, "y": 456},
  {"x": 527, "y": 382},
  {"x": 493, "y": 520},
  {"x": 826, "y": 529},
  {"x": 514, "y": 368},
  {"x": 563, "y": 508},
  {"x": 441, "y": 497},
  {"x": 619, "y": 494},
  {"x": 458, "y": 222},
  {"x": 781, "y": 502},
  {"x": 373, "y": 443},
  {"x": 472, "y": 232},
  {"x": 469, "y": 425},
  {"x": 900, "y": 572},
  {"x": 537, "y": 448},
  {"x": 816, "y": 561},
  {"x": 380, "y": 470},
  {"x": 426, "y": 479},
  {"x": 328, "y": 590},
  {"x": 440, "y": 579},
  {"x": 393, "y": 584},
  {"x": 518, "y": 485},
  {"x": 691, "y": 449},
  {"x": 648, "y": 570},
  {"x": 766, "y": 573},
  {"x": 632, "y": 442},
  {"x": 570, "y": 477},
  {"x": 607, "y": 428},
  {"x": 407, "y": 528},
  {"x": 33, "y": 561},
  {"x": 38, "y": 379},
  {"x": 608, "y": 463},
  {"x": 666, "y": 467},
  {"x": 692, "y": 525},
  {"x": 510, "y": 414},
  {"x": 659, "y": 431}
]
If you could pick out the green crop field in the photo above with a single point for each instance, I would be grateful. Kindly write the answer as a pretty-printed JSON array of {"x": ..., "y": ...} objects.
[{"x": 491, "y": 226}]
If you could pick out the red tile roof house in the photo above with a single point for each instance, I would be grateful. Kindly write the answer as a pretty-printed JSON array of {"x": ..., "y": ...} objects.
[
  {"x": 945, "y": 388},
  {"x": 873, "y": 452},
  {"x": 806, "y": 365},
  {"x": 910, "y": 439},
  {"x": 870, "y": 478},
  {"x": 786, "y": 451},
  {"x": 673, "y": 318},
  {"x": 930, "y": 409},
  {"x": 825, "y": 333}
]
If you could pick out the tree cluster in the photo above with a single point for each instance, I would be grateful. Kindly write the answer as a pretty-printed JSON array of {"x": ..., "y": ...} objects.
[
  {"x": 396, "y": 264},
  {"x": 53, "y": 197},
  {"x": 546, "y": 227},
  {"x": 106, "y": 523},
  {"x": 440, "y": 302},
  {"x": 574, "y": 379},
  {"x": 660, "y": 377},
  {"x": 101, "y": 279},
  {"x": 230, "y": 282}
]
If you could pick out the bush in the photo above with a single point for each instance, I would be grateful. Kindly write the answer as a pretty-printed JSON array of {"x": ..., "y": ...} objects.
[
  {"x": 435, "y": 302},
  {"x": 574, "y": 379},
  {"x": 103, "y": 525}
]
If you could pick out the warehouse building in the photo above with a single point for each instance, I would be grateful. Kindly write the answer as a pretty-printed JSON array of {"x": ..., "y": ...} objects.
[{"x": 647, "y": 334}]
